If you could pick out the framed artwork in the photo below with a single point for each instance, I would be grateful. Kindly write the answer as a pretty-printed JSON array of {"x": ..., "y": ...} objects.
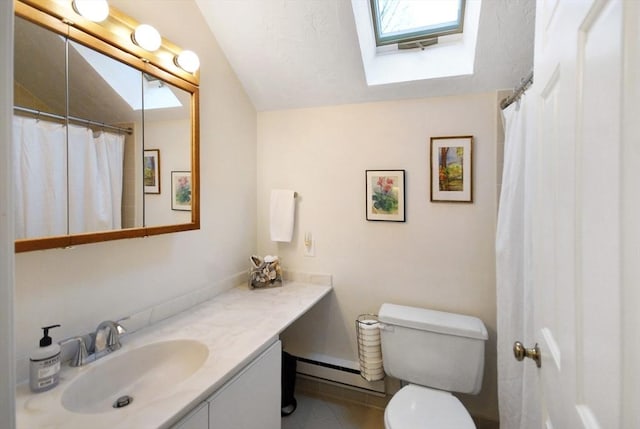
[
  {"x": 451, "y": 169},
  {"x": 385, "y": 195},
  {"x": 152, "y": 171},
  {"x": 181, "y": 190}
]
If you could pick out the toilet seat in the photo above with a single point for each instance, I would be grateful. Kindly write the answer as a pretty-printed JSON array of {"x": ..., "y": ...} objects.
[{"x": 417, "y": 407}]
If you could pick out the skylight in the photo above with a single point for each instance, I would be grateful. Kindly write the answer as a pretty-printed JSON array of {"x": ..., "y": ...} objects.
[
  {"x": 454, "y": 55},
  {"x": 401, "y": 21}
]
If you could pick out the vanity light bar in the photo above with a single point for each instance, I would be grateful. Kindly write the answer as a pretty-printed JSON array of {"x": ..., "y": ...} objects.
[
  {"x": 187, "y": 61},
  {"x": 147, "y": 37},
  {"x": 93, "y": 10},
  {"x": 144, "y": 35}
]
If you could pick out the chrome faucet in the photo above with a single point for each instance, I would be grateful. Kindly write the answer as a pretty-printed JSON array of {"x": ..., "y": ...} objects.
[
  {"x": 91, "y": 347},
  {"x": 81, "y": 356},
  {"x": 107, "y": 337}
]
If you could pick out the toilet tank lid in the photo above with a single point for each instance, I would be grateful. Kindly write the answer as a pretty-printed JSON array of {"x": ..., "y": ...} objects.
[{"x": 433, "y": 321}]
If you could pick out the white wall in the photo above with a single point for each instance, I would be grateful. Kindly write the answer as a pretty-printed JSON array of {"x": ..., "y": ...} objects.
[
  {"x": 7, "y": 358},
  {"x": 80, "y": 287},
  {"x": 441, "y": 258}
]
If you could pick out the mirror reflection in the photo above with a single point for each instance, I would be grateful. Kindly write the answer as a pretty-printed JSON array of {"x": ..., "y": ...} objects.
[
  {"x": 102, "y": 159},
  {"x": 98, "y": 143},
  {"x": 167, "y": 120},
  {"x": 39, "y": 140}
]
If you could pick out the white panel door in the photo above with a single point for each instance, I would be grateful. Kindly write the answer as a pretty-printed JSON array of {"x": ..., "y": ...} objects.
[{"x": 585, "y": 246}]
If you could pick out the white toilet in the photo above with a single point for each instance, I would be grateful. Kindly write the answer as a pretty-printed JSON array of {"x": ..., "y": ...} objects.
[{"x": 437, "y": 353}]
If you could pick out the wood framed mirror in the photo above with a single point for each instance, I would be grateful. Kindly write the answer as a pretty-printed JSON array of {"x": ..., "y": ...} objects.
[{"x": 99, "y": 126}]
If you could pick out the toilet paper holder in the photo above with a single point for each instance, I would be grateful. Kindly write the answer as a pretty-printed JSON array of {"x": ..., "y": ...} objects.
[{"x": 369, "y": 348}]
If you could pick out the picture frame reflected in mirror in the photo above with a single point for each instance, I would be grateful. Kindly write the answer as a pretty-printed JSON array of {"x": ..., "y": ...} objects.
[{"x": 152, "y": 171}]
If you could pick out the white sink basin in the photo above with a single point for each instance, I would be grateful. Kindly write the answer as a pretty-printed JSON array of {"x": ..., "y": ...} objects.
[{"x": 143, "y": 374}]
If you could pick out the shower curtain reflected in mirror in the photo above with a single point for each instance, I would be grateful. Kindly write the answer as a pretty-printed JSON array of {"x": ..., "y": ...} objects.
[
  {"x": 40, "y": 163},
  {"x": 66, "y": 188},
  {"x": 95, "y": 180}
]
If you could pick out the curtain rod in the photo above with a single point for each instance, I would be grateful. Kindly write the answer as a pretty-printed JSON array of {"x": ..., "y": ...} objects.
[
  {"x": 72, "y": 118},
  {"x": 518, "y": 91}
]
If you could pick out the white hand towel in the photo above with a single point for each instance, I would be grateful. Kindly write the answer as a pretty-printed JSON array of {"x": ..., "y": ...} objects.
[{"x": 283, "y": 206}]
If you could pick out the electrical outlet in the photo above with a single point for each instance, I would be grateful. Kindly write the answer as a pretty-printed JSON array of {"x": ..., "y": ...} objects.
[{"x": 309, "y": 245}]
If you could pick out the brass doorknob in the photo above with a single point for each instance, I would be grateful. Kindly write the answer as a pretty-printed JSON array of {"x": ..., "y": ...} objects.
[{"x": 520, "y": 352}]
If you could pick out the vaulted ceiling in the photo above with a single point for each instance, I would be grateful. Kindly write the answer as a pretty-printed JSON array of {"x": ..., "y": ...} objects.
[{"x": 303, "y": 53}]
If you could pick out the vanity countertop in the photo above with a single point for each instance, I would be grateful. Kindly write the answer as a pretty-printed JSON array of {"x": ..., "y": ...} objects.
[{"x": 236, "y": 325}]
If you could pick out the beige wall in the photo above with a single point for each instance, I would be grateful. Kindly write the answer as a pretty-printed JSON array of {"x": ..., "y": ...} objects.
[
  {"x": 441, "y": 258},
  {"x": 82, "y": 286},
  {"x": 23, "y": 97},
  {"x": 173, "y": 157}
]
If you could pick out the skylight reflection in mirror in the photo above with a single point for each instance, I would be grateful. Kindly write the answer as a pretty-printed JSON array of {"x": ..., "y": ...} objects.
[
  {"x": 398, "y": 21},
  {"x": 125, "y": 81}
]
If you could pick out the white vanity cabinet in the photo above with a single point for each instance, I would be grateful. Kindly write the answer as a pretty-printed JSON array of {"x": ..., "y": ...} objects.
[
  {"x": 196, "y": 419},
  {"x": 237, "y": 385},
  {"x": 250, "y": 400}
]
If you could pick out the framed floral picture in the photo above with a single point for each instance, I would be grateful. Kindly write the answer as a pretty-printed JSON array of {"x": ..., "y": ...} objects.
[
  {"x": 451, "y": 169},
  {"x": 181, "y": 190},
  {"x": 385, "y": 195},
  {"x": 151, "y": 171}
]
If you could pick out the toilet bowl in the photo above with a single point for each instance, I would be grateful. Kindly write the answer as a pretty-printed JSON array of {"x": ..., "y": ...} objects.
[
  {"x": 420, "y": 407},
  {"x": 436, "y": 353}
]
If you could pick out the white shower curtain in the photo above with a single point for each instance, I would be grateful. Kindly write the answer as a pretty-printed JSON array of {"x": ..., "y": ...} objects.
[
  {"x": 56, "y": 197},
  {"x": 95, "y": 180},
  {"x": 517, "y": 394},
  {"x": 40, "y": 161}
]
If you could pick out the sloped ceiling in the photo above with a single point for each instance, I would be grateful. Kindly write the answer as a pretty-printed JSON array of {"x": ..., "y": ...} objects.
[{"x": 303, "y": 53}]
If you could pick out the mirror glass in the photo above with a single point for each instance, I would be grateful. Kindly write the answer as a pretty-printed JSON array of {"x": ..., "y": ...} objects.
[
  {"x": 104, "y": 142},
  {"x": 167, "y": 120},
  {"x": 103, "y": 150},
  {"x": 40, "y": 156}
]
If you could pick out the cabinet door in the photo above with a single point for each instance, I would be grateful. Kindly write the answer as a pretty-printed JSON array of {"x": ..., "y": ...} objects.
[
  {"x": 250, "y": 400},
  {"x": 196, "y": 419}
]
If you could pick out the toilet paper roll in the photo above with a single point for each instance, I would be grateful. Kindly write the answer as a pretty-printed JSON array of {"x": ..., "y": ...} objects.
[
  {"x": 374, "y": 368},
  {"x": 372, "y": 376},
  {"x": 369, "y": 337},
  {"x": 369, "y": 347},
  {"x": 368, "y": 344},
  {"x": 368, "y": 324},
  {"x": 370, "y": 341},
  {"x": 366, "y": 360},
  {"x": 371, "y": 363},
  {"x": 373, "y": 371}
]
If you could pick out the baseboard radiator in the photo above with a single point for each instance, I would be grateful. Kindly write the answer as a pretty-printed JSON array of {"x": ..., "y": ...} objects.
[{"x": 338, "y": 375}]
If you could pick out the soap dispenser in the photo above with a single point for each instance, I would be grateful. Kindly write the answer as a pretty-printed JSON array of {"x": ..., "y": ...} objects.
[{"x": 44, "y": 363}]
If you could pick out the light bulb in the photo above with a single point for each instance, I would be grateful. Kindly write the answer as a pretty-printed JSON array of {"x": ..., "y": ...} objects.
[
  {"x": 93, "y": 10},
  {"x": 188, "y": 61},
  {"x": 147, "y": 37}
]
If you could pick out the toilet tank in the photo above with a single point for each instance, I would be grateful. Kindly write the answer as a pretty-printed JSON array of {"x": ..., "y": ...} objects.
[{"x": 433, "y": 348}]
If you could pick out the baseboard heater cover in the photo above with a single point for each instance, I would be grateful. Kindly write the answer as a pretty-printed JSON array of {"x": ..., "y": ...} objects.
[{"x": 345, "y": 377}]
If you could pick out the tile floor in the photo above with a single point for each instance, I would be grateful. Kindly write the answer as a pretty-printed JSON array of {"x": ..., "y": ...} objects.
[
  {"x": 322, "y": 412},
  {"x": 329, "y": 406}
]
